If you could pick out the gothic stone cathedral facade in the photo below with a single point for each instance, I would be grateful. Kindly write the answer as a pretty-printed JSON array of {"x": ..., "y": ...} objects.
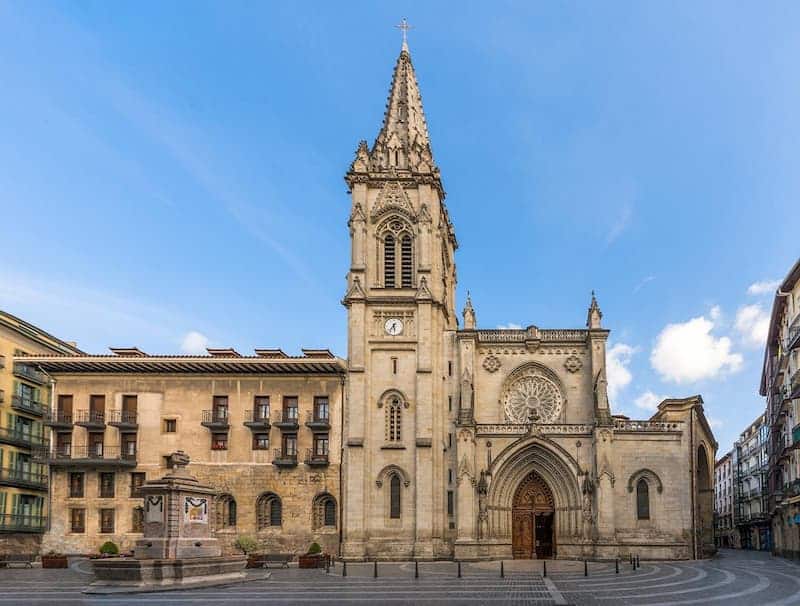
[
  {"x": 433, "y": 439},
  {"x": 470, "y": 443}
]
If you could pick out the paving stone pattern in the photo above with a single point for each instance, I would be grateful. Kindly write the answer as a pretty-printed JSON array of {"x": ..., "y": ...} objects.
[{"x": 734, "y": 578}]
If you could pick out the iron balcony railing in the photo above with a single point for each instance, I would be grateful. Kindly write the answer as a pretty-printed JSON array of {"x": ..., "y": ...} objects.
[
  {"x": 23, "y": 478},
  {"x": 318, "y": 417},
  {"x": 57, "y": 417},
  {"x": 315, "y": 458},
  {"x": 90, "y": 418},
  {"x": 28, "y": 405},
  {"x": 281, "y": 457},
  {"x": 123, "y": 418},
  {"x": 216, "y": 417},
  {"x": 95, "y": 452},
  {"x": 10, "y": 522},
  {"x": 23, "y": 371},
  {"x": 793, "y": 334},
  {"x": 21, "y": 438}
]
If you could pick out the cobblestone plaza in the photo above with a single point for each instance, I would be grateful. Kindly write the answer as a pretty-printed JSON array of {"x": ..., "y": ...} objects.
[{"x": 734, "y": 578}]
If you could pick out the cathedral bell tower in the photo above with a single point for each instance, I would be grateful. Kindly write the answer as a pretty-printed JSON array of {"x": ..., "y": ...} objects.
[{"x": 401, "y": 317}]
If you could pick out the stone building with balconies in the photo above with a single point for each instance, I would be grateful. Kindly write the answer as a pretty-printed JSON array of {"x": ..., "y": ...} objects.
[
  {"x": 780, "y": 385},
  {"x": 260, "y": 429},
  {"x": 24, "y": 402},
  {"x": 725, "y": 534},
  {"x": 750, "y": 464}
]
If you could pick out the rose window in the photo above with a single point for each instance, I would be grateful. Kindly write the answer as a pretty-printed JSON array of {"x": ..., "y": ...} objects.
[{"x": 532, "y": 398}]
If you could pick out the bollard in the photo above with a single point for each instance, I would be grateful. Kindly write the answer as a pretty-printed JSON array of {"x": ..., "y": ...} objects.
[
  {"x": 502, "y": 570},
  {"x": 544, "y": 568},
  {"x": 344, "y": 568},
  {"x": 616, "y": 565},
  {"x": 633, "y": 563},
  {"x": 630, "y": 557},
  {"x": 459, "y": 569},
  {"x": 327, "y": 566},
  {"x": 585, "y": 568},
  {"x": 416, "y": 569},
  {"x": 638, "y": 562},
  {"x": 375, "y": 570}
]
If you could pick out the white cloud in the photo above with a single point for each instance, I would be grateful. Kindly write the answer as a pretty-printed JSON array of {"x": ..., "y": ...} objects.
[
  {"x": 509, "y": 326},
  {"x": 715, "y": 313},
  {"x": 688, "y": 352},
  {"x": 194, "y": 343},
  {"x": 714, "y": 422},
  {"x": 763, "y": 287},
  {"x": 621, "y": 223},
  {"x": 752, "y": 322},
  {"x": 641, "y": 284},
  {"x": 649, "y": 401},
  {"x": 617, "y": 371}
]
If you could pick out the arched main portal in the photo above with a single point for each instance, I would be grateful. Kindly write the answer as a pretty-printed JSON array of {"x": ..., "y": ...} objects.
[{"x": 533, "y": 519}]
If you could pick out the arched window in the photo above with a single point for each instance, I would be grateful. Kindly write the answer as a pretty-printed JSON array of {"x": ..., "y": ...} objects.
[
  {"x": 268, "y": 511},
  {"x": 406, "y": 272},
  {"x": 324, "y": 511},
  {"x": 394, "y": 420},
  {"x": 398, "y": 253},
  {"x": 642, "y": 500},
  {"x": 225, "y": 511},
  {"x": 394, "y": 497},
  {"x": 389, "y": 261}
]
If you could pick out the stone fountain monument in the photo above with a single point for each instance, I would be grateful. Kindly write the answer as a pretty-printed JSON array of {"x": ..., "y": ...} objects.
[{"x": 177, "y": 550}]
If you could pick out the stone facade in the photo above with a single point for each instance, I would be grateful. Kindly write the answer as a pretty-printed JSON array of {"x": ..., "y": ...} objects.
[
  {"x": 750, "y": 467},
  {"x": 725, "y": 532},
  {"x": 508, "y": 444},
  {"x": 240, "y": 470}
]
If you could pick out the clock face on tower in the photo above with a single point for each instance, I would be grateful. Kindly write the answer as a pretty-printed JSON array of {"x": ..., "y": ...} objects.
[{"x": 393, "y": 327}]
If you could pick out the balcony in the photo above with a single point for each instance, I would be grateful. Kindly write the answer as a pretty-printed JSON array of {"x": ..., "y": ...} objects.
[
  {"x": 22, "y": 478},
  {"x": 32, "y": 407},
  {"x": 287, "y": 420},
  {"x": 23, "y": 371},
  {"x": 57, "y": 420},
  {"x": 255, "y": 421},
  {"x": 216, "y": 420},
  {"x": 92, "y": 456},
  {"x": 22, "y": 523},
  {"x": 284, "y": 459},
  {"x": 22, "y": 439},
  {"x": 316, "y": 460},
  {"x": 318, "y": 422},
  {"x": 793, "y": 334},
  {"x": 124, "y": 420},
  {"x": 92, "y": 420}
]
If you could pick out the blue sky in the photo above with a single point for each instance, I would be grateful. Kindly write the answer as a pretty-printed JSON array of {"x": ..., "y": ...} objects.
[{"x": 176, "y": 168}]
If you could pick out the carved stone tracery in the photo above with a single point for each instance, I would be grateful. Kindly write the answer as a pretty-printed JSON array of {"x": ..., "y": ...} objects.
[{"x": 531, "y": 396}]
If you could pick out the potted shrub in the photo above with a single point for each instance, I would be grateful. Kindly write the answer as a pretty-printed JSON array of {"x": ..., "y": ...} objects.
[
  {"x": 314, "y": 558},
  {"x": 248, "y": 546},
  {"x": 109, "y": 549},
  {"x": 52, "y": 559}
]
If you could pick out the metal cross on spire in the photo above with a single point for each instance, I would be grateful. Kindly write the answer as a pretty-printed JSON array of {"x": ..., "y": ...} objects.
[{"x": 404, "y": 27}]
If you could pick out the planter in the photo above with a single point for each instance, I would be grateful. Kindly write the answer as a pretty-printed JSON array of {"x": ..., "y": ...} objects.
[
  {"x": 54, "y": 561},
  {"x": 316, "y": 560}
]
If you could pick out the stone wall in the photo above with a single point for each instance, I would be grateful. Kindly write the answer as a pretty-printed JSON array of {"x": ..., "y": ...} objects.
[{"x": 20, "y": 543}]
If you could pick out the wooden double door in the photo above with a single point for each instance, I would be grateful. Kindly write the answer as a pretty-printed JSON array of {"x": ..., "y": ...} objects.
[{"x": 532, "y": 520}]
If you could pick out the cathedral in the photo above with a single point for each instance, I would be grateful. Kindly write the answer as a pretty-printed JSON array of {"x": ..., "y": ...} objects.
[
  {"x": 488, "y": 443},
  {"x": 433, "y": 439}
]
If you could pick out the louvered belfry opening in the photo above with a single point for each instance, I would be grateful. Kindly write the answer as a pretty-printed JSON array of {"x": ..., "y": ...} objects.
[
  {"x": 406, "y": 274},
  {"x": 389, "y": 261}
]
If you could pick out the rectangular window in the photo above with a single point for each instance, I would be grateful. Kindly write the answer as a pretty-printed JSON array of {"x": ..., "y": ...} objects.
[
  {"x": 321, "y": 445},
  {"x": 261, "y": 441},
  {"x": 170, "y": 425},
  {"x": 450, "y": 369},
  {"x": 137, "y": 479},
  {"x": 107, "y": 485},
  {"x": 449, "y": 440},
  {"x": 96, "y": 445},
  {"x": 450, "y": 403},
  {"x": 261, "y": 408},
  {"x": 449, "y": 476},
  {"x": 321, "y": 409},
  {"x": 76, "y": 485},
  {"x": 65, "y": 408},
  {"x": 97, "y": 407},
  {"x": 394, "y": 366},
  {"x": 77, "y": 520},
  {"x": 219, "y": 441},
  {"x": 63, "y": 445},
  {"x": 450, "y": 502},
  {"x": 290, "y": 445},
  {"x": 129, "y": 446},
  {"x": 290, "y": 408},
  {"x": 220, "y": 408},
  {"x": 106, "y": 521}
]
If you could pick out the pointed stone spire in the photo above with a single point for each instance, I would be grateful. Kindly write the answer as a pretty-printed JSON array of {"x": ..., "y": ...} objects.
[
  {"x": 403, "y": 142},
  {"x": 469, "y": 314},
  {"x": 595, "y": 315}
]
